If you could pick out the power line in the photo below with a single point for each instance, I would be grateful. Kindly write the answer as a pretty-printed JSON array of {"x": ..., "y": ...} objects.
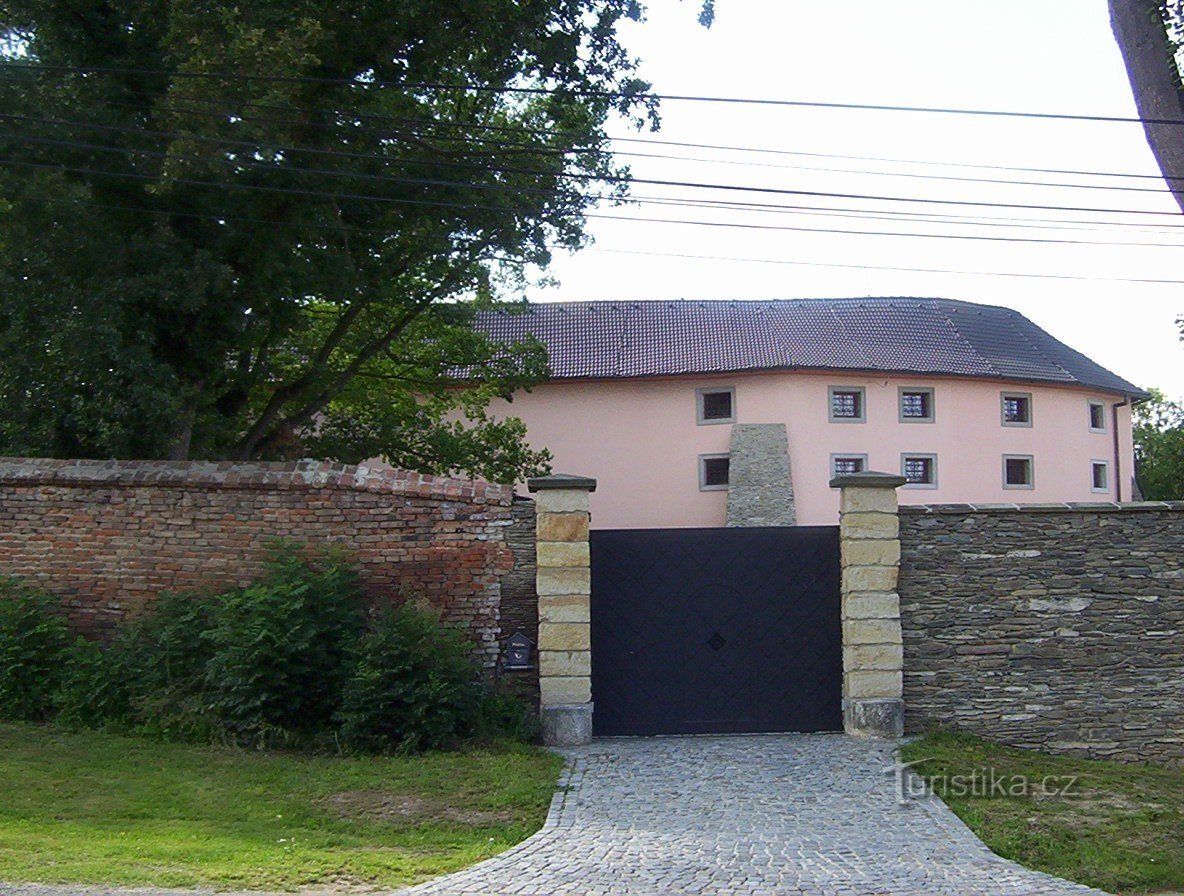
[
  {"x": 599, "y": 94},
  {"x": 768, "y": 208},
  {"x": 521, "y": 129},
  {"x": 330, "y": 153},
  {"x": 779, "y": 261},
  {"x": 336, "y": 229},
  {"x": 475, "y": 207},
  {"x": 675, "y": 183},
  {"x": 875, "y": 267},
  {"x": 843, "y": 212}
]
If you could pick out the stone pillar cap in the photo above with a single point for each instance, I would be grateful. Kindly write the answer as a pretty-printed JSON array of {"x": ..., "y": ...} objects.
[
  {"x": 868, "y": 480},
  {"x": 561, "y": 480}
]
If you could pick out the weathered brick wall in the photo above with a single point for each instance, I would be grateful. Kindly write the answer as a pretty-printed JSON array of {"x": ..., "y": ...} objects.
[
  {"x": 110, "y": 535},
  {"x": 520, "y": 602},
  {"x": 1058, "y": 627}
]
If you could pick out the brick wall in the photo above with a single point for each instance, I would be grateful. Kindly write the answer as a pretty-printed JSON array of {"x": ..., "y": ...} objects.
[
  {"x": 1058, "y": 627},
  {"x": 109, "y": 535}
]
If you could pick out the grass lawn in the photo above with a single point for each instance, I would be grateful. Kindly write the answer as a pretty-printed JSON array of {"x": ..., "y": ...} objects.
[
  {"x": 1119, "y": 828},
  {"x": 95, "y": 808}
]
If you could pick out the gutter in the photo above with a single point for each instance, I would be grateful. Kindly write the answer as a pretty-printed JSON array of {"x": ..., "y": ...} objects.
[{"x": 1126, "y": 400}]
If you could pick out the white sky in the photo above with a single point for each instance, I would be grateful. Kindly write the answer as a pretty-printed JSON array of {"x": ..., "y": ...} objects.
[{"x": 1027, "y": 55}]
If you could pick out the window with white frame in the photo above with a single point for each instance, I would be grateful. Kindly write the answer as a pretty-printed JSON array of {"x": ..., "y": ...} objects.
[
  {"x": 847, "y": 404},
  {"x": 843, "y": 464},
  {"x": 1016, "y": 408},
  {"x": 916, "y": 404},
  {"x": 1099, "y": 471},
  {"x": 713, "y": 472},
  {"x": 716, "y": 405},
  {"x": 1097, "y": 416},
  {"x": 1017, "y": 471},
  {"x": 919, "y": 470}
]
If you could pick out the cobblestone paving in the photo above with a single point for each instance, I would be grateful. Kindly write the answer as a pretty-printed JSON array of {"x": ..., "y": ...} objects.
[{"x": 772, "y": 815}]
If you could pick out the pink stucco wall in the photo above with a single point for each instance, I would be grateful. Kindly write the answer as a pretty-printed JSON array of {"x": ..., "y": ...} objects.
[{"x": 640, "y": 439}]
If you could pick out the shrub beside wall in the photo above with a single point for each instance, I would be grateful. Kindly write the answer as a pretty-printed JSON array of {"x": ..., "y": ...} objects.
[
  {"x": 292, "y": 660},
  {"x": 110, "y": 535},
  {"x": 1055, "y": 627}
]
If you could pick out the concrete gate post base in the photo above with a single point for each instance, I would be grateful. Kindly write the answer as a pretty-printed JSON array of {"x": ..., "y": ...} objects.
[
  {"x": 567, "y": 724},
  {"x": 876, "y": 717}
]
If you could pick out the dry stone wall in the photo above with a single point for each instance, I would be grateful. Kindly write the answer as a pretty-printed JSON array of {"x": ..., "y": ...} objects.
[
  {"x": 1058, "y": 627},
  {"x": 519, "y": 602}
]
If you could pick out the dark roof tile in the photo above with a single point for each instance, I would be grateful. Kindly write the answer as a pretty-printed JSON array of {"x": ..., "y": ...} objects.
[{"x": 599, "y": 340}]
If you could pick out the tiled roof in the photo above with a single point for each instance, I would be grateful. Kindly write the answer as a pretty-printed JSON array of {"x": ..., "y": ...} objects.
[{"x": 604, "y": 340}]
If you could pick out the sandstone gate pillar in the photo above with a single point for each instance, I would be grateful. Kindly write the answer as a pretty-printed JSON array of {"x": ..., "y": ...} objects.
[
  {"x": 564, "y": 586},
  {"x": 873, "y": 656}
]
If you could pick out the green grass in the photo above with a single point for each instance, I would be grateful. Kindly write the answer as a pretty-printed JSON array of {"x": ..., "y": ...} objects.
[
  {"x": 1120, "y": 828},
  {"x": 96, "y": 808}
]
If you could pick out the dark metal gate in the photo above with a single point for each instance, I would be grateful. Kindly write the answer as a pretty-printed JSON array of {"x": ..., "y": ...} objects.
[{"x": 716, "y": 630}]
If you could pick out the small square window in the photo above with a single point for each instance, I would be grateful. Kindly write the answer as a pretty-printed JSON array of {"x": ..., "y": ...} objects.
[
  {"x": 713, "y": 472},
  {"x": 716, "y": 405},
  {"x": 1017, "y": 408},
  {"x": 916, "y": 405},
  {"x": 846, "y": 404},
  {"x": 1099, "y": 476},
  {"x": 919, "y": 469},
  {"x": 1017, "y": 471},
  {"x": 1097, "y": 416},
  {"x": 842, "y": 464}
]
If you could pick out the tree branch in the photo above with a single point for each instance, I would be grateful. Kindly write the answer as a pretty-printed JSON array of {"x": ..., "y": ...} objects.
[{"x": 1141, "y": 32}]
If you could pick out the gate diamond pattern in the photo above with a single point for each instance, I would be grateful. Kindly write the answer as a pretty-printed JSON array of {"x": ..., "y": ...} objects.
[{"x": 716, "y": 630}]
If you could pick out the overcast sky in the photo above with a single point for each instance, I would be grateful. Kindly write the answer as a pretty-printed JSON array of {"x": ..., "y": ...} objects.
[{"x": 1025, "y": 55}]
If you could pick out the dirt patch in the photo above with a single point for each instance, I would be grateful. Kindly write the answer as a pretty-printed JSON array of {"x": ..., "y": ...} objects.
[{"x": 402, "y": 808}]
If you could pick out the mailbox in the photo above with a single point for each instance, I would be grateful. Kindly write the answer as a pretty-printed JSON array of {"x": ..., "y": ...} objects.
[{"x": 517, "y": 653}]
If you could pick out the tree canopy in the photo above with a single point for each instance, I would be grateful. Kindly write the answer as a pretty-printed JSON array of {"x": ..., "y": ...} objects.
[
  {"x": 261, "y": 229},
  {"x": 1159, "y": 448}
]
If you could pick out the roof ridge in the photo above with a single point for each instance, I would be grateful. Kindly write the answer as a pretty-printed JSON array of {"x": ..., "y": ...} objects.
[{"x": 800, "y": 300}]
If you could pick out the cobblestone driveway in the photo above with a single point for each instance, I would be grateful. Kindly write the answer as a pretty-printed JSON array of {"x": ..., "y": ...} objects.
[{"x": 767, "y": 814}]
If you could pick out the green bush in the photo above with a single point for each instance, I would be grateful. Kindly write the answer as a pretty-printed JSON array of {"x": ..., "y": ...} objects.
[
  {"x": 94, "y": 688},
  {"x": 414, "y": 686},
  {"x": 33, "y": 643},
  {"x": 281, "y": 650},
  {"x": 506, "y": 716},
  {"x": 162, "y": 656},
  {"x": 288, "y": 660}
]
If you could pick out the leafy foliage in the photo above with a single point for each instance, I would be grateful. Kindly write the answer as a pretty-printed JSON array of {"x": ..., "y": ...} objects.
[
  {"x": 280, "y": 650},
  {"x": 161, "y": 659},
  {"x": 414, "y": 687},
  {"x": 94, "y": 688},
  {"x": 288, "y": 660},
  {"x": 226, "y": 222},
  {"x": 1159, "y": 448},
  {"x": 33, "y": 643}
]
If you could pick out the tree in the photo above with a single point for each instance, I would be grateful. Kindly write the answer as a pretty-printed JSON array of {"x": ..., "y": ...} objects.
[
  {"x": 1148, "y": 33},
  {"x": 1159, "y": 448},
  {"x": 261, "y": 229}
]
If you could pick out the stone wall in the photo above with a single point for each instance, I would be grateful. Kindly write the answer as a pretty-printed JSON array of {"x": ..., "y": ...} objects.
[
  {"x": 1059, "y": 627},
  {"x": 520, "y": 603},
  {"x": 110, "y": 535}
]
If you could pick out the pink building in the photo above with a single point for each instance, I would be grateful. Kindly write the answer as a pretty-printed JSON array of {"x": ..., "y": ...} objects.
[{"x": 707, "y": 413}]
